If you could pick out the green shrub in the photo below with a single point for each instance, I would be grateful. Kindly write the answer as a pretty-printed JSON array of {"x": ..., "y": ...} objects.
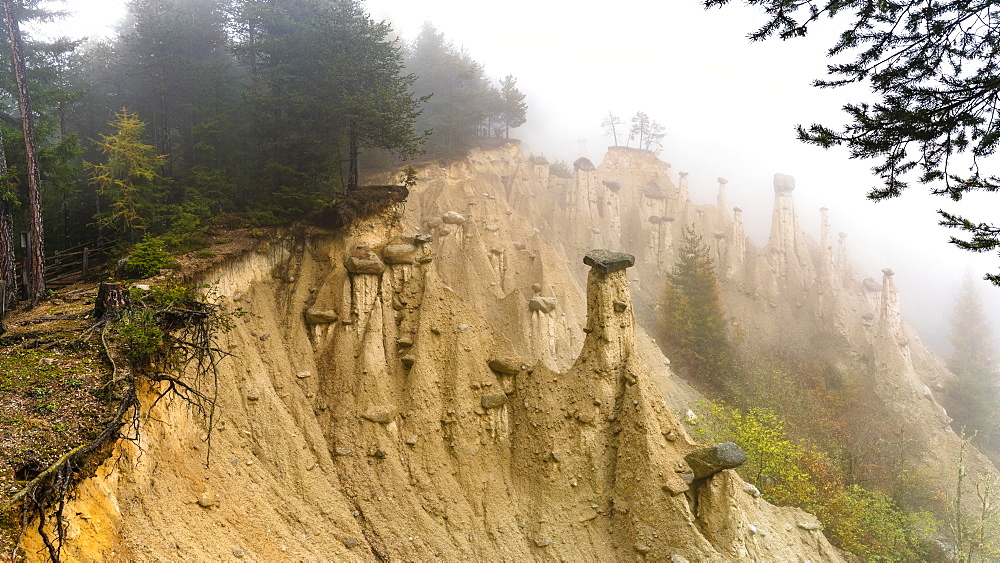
[
  {"x": 863, "y": 522},
  {"x": 870, "y": 525},
  {"x": 774, "y": 463},
  {"x": 262, "y": 218},
  {"x": 140, "y": 336},
  {"x": 147, "y": 258}
]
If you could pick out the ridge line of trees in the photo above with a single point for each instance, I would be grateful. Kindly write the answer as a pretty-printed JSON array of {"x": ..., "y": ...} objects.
[
  {"x": 648, "y": 133},
  {"x": 236, "y": 113}
]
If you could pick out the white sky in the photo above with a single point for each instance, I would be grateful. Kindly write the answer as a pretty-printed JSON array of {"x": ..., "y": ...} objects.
[{"x": 729, "y": 108}]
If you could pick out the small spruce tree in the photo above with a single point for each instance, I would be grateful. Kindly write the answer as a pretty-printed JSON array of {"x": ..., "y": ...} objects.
[
  {"x": 974, "y": 394},
  {"x": 695, "y": 326}
]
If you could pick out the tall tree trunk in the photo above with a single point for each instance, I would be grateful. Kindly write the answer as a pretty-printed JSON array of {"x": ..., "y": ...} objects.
[
  {"x": 36, "y": 252},
  {"x": 352, "y": 175},
  {"x": 7, "y": 280},
  {"x": 9, "y": 284}
]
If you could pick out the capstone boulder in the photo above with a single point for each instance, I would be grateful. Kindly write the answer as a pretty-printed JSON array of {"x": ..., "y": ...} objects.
[
  {"x": 399, "y": 253},
  {"x": 607, "y": 261},
  {"x": 317, "y": 316},
  {"x": 542, "y": 304},
  {"x": 453, "y": 218},
  {"x": 783, "y": 183},
  {"x": 709, "y": 460},
  {"x": 370, "y": 264}
]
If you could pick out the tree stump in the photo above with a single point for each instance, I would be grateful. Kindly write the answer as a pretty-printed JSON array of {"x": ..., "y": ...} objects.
[{"x": 112, "y": 300}]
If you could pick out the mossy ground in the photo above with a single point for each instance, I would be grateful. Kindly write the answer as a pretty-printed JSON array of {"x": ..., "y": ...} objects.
[{"x": 52, "y": 376}]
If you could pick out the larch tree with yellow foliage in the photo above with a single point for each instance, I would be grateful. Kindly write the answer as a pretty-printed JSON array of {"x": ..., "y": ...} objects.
[{"x": 128, "y": 176}]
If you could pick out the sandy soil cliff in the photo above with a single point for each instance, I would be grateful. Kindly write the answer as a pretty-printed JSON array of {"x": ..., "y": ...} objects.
[{"x": 476, "y": 394}]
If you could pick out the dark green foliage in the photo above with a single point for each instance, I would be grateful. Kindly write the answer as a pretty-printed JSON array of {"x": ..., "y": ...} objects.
[
  {"x": 140, "y": 335},
  {"x": 463, "y": 105},
  {"x": 974, "y": 395},
  {"x": 146, "y": 259},
  {"x": 932, "y": 67},
  {"x": 361, "y": 204},
  {"x": 179, "y": 76},
  {"x": 264, "y": 112},
  {"x": 327, "y": 83},
  {"x": 456, "y": 86},
  {"x": 694, "y": 324},
  {"x": 53, "y": 148}
]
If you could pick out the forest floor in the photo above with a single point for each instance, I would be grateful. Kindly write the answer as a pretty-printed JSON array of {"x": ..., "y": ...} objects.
[
  {"x": 54, "y": 376},
  {"x": 52, "y": 397}
]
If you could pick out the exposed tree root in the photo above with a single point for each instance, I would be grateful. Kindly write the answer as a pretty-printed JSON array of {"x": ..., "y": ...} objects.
[
  {"x": 49, "y": 489},
  {"x": 187, "y": 362}
]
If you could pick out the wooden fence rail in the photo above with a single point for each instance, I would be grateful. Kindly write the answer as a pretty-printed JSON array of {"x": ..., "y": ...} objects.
[
  {"x": 64, "y": 267},
  {"x": 72, "y": 264}
]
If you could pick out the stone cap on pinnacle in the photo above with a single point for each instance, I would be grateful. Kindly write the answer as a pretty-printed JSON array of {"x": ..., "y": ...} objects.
[
  {"x": 607, "y": 261},
  {"x": 783, "y": 183}
]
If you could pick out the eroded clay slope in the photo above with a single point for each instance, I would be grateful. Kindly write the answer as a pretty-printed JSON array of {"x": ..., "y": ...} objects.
[{"x": 400, "y": 397}]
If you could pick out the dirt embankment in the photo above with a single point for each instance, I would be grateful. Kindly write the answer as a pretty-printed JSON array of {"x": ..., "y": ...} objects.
[{"x": 467, "y": 396}]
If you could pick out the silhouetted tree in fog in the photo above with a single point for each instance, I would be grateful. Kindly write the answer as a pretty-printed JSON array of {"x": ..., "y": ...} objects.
[
  {"x": 610, "y": 125},
  {"x": 513, "y": 109},
  {"x": 461, "y": 98},
  {"x": 647, "y": 132},
  {"x": 973, "y": 395},
  {"x": 932, "y": 68},
  {"x": 329, "y": 84}
]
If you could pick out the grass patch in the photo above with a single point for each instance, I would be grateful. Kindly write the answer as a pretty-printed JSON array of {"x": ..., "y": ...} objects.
[{"x": 41, "y": 370}]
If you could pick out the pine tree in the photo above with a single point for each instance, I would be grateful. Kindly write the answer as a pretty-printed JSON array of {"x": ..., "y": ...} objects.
[
  {"x": 177, "y": 63},
  {"x": 973, "y": 395},
  {"x": 610, "y": 125},
  {"x": 695, "y": 325},
  {"x": 513, "y": 109},
  {"x": 329, "y": 83},
  {"x": 460, "y": 94},
  {"x": 127, "y": 175},
  {"x": 36, "y": 251},
  {"x": 930, "y": 114}
]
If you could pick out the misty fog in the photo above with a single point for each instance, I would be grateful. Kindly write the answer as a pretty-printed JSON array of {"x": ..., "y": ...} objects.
[{"x": 729, "y": 108}]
